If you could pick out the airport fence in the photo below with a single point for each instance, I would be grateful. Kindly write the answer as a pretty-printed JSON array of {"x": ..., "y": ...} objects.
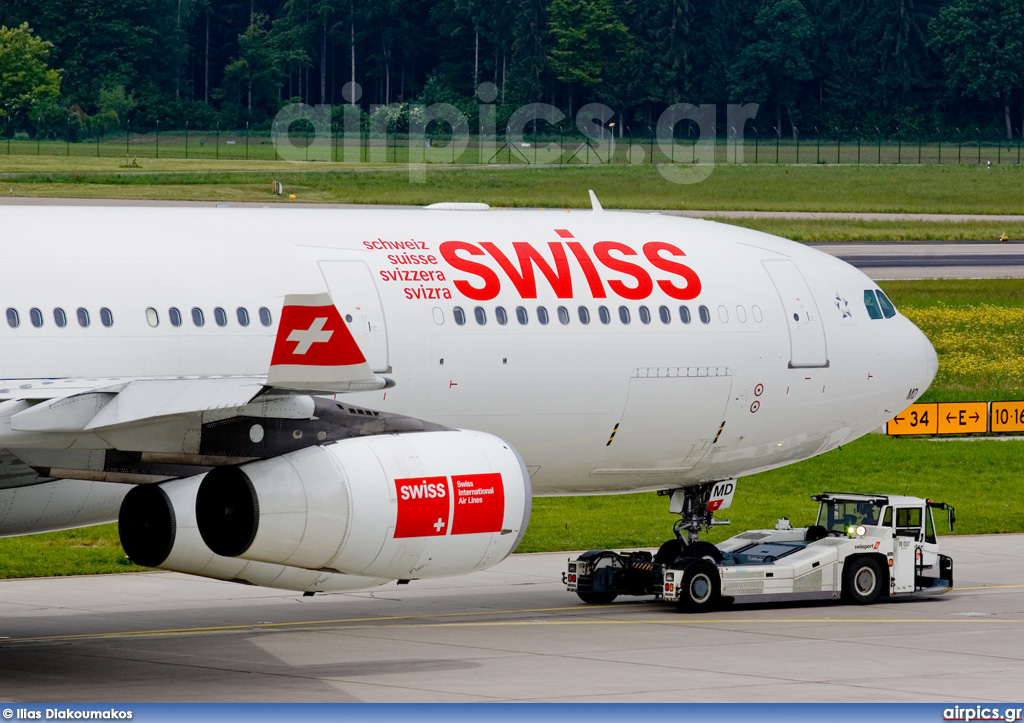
[{"x": 977, "y": 148}]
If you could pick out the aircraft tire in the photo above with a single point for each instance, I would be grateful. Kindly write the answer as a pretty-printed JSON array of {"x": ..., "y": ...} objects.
[{"x": 702, "y": 550}]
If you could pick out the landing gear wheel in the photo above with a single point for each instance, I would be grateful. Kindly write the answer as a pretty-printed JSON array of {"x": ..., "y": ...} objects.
[
  {"x": 862, "y": 581},
  {"x": 596, "y": 598},
  {"x": 700, "y": 588},
  {"x": 669, "y": 552},
  {"x": 702, "y": 550}
]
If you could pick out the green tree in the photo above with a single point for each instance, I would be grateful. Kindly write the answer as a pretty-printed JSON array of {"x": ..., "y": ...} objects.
[
  {"x": 982, "y": 49},
  {"x": 591, "y": 43},
  {"x": 25, "y": 81},
  {"x": 773, "y": 67},
  {"x": 258, "y": 72}
]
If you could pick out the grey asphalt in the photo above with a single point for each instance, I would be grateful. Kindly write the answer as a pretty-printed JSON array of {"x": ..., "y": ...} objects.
[{"x": 508, "y": 634}]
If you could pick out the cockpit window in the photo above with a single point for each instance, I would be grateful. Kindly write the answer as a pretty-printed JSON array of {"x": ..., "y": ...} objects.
[
  {"x": 888, "y": 310},
  {"x": 869, "y": 301}
]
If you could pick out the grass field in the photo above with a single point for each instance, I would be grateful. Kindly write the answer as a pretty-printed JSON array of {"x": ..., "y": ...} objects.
[
  {"x": 895, "y": 189},
  {"x": 872, "y": 230},
  {"x": 975, "y": 326}
]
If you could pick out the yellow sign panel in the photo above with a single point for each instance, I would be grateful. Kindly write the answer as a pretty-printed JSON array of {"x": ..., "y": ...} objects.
[
  {"x": 963, "y": 418},
  {"x": 915, "y": 419},
  {"x": 1008, "y": 416}
]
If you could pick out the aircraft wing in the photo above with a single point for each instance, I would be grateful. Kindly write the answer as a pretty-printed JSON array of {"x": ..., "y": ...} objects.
[{"x": 144, "y": 430}]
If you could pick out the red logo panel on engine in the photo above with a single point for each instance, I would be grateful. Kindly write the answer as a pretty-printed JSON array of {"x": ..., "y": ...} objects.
[
  {"x": 426, "y": 508},
  {"x": 479, "y": 503},
  {"x": 423, "y": 507}
]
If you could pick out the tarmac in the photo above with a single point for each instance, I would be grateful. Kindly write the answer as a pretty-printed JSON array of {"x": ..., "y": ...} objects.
[{"x": 511, "y": 633}]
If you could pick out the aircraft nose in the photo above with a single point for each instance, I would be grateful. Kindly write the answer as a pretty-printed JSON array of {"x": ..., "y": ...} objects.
[{"x": 920, "y": 358}]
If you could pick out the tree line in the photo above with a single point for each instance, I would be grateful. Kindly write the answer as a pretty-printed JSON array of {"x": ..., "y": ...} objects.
[{"x": 907, "y": 66}]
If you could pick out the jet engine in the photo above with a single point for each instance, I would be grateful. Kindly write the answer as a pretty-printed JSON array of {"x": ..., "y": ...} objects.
[
  {"x": 157, "y": 524},
  {"x": 405, "y": 506}
]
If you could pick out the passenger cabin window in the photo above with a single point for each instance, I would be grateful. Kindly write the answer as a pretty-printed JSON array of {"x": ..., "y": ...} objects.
[
  {"x": 584, "y": 313},
  {"x": 481, "y": 315},
  {"x": 563, "y": 315},
  {"x": 174, "y": 315},
  {"x": 872, "y": 304},
  {"x": 645, "y": 315},
  {"x": 741, "y": 314},
  {"x": 60, "y": 318},
  {"x": 665, "y": 314},
  {"x": 500, "y": 315},
  {"x": 265, "y": 317},
  {"x": 459, "y": 315},
  {"x": 705, "y": 315},
  {"x": 36, "y": 316},
  {"x": 723, "y": 315},
  {"x": 220, "y": 316},
  {"x": 243, "y": 316},
  {"x": 624, "y": 314},
  {"x": 83, "y": 317},
  {"x": 604, "y": 314},
  {"x": 13, "y": 320},
  {"x": 684, "y": 314},
  {"x": 542, "y": 315},
  {"x": 197, "y": 316},
  {"x": 152, "y": 318},
  {"x": 521, "y": 315},
  {"x": 106, "y": 317}
]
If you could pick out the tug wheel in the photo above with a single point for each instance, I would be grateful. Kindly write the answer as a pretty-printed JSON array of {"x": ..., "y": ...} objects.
[
  {"x": 700, "y": 588},
  {"x": 862, "y": 581}
]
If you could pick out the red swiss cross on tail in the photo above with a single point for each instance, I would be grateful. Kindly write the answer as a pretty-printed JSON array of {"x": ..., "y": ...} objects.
[{"x": 315, "y": 351}]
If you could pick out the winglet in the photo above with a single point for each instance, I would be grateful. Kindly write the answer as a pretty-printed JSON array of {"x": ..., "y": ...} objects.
[
  {"x": 594, "y": 203},
  {"x": 315, "y": 351}
]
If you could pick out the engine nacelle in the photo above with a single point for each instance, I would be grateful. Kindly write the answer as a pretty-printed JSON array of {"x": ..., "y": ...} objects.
[
  {"x": 404, "y": 506},
  {"x": 158, "y": 529}
]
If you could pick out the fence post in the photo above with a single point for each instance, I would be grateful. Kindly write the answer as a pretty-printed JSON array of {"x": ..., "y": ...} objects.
[
  {"x": 68, "y": 137},
  {"x": 186, "y": 139},
  {"x": 817, "y": 138},
  {"x": 216, "y": 149},
  {"x": 979, "y": 145},
  {"x": 158, "y": 139},
  {"x": 247, "y": 140},
  {"x": 127, "y": 137},
  {"x": 919, "y": 150}
]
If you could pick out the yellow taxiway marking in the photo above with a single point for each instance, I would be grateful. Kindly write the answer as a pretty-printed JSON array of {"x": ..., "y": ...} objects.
[
  {"x": 985, "y": 587},
  {"x": 405, "y": 621},
  {"x": 296, "y": 623}
]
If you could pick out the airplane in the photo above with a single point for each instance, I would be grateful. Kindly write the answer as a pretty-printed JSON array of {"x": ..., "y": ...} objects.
[{"x": 322, "y": 399}]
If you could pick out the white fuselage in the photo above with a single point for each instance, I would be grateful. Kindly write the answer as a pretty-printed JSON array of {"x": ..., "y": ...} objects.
[{"x": 784, "y": 364}]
